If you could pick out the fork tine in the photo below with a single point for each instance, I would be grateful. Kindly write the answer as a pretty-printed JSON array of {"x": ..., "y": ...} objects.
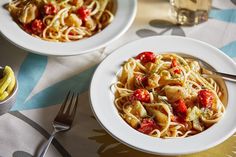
[
  {"x": 69, "y": 105},
  {"x": 64, "y": 104},
  {"x": 75, "y": 106}
]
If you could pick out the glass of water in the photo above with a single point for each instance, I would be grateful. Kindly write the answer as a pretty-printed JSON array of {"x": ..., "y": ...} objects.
[{"x": 190, "y": 12}]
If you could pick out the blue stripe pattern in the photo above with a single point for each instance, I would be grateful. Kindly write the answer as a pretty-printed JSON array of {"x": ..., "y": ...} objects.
[
  {"x": 30, "y": 73},
  {"x": 56, "y": 93},
  {"x": 227, "y": 15},
  {"x": 230, "y": 49}
]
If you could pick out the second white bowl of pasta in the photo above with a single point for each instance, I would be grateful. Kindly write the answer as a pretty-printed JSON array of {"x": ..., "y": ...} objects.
[
  {"x": 68, "y": 27},
  {"x": 157, "y": 101}
]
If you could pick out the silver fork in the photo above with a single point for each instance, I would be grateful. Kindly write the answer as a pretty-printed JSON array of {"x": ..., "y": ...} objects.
[
  {"x": 208, "y": 70},
  {"x": 63, "y": 120}
]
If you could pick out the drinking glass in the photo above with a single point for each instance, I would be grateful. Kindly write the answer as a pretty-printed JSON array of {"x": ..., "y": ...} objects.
[{"x": 190, "y": 12}]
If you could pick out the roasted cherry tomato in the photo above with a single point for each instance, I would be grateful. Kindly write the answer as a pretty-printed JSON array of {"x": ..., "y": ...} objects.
[
  {"x": 181, "y": 106},
  {"x": 177, "y": 71},
  {"x": 147, "y": 126},
  {"x": 37, "y": 26},
  {"x": 27, "y": 28},
  {"x": 180, "y": 110},
  {"x": 141, "y": 95},
  {"x": 174, "y": 63},
  {"x": 205, "y": 98},
  {"x": 83, "y": 13},
  {"x": 50, "y": 9},
  {"x": 146, "y": 57}
]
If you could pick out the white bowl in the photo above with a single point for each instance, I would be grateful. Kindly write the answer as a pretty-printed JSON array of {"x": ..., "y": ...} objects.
[
  {"x": 124, "y": 16},
  {"x": 102, "y": 98},
  {"x": 6, "y": 105}
]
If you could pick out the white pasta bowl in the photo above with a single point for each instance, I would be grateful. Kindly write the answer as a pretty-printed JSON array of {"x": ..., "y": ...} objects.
[
  {"x": 123, "y": 18},
  {"x": 102, "y": 98}
]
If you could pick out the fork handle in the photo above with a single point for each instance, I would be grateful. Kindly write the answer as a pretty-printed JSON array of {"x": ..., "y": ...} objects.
[
  {"x": 228, "y": 77},
  {"x": 43, "y": 149}
]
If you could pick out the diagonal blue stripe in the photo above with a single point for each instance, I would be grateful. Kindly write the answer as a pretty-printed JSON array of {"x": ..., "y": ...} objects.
[
  {"x": 227, "y": 15},
  {"x": 56, "y": 93},
  {"x": 29, "y": 74},
  {"x": 230, "y": 49}
]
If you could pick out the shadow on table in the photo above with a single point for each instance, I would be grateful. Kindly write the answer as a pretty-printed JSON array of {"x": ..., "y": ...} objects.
[
  {"x": 163, "y": 26},
  {"x": 111, "y": 147}
]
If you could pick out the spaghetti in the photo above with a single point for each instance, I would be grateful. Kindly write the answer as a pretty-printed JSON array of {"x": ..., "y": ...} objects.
[
  {"x": 166, "y": 96},
  {"x": 62, "y": 20}
]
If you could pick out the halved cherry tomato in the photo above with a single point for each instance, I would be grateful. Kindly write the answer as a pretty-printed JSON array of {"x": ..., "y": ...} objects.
[
  {"x": 146, "y": 57},
  {"x": 147, "y": 126},
  {"x": 37, "y": 26},
  {"x": 177, "y": 71},
  {"x": 27, "y": 28},
  {"x": 180, "y": 110},
  {"x": 50, "y": 9},
  {"x": 205, "y": 98},
  {"x": 174, "y": 63},
  {"x": 141, "y": 95},
  {"x": 83, "y": 13},
  {"x": 181, "y": 107}
]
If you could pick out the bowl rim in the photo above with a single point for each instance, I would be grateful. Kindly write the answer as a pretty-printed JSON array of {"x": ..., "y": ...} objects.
[
  {"x": 138, "y": 137},
  {"x": 124, "y": 17}
]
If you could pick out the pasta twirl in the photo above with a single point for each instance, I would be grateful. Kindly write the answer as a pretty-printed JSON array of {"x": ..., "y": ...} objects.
[
  {"x": 62, "y": 20},
  {"x": 166, "y": 96}
]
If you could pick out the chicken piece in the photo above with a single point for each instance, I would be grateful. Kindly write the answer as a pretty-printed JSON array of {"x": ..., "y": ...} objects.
[
  {"x": 165, "y": 75},
  {"x": 73, "y": 20},
  {"x": 156, "y": 111},
  {"x": 160, "y": 117},
  {"x": 193, "y": 113},
  {"x": 207, "y": 113},
  {"x": 132, "y": 121},
  {"x": 29, "y": 14},
  {"x": 174, "y": 93},
  {"x": 138, "y": 110},
  {"x": 166, "y": 79},
  {"x": 193, "y": 116},
  {"x": 153, "y": 80},
  {"x": 134, "y": 112},
  {"x": 197, "y": 125}
]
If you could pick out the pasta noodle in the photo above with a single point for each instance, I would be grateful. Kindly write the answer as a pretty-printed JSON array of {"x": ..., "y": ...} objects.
[
  {"x": 62, "y": 20},
  {"x": 166, "y": 96}
]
